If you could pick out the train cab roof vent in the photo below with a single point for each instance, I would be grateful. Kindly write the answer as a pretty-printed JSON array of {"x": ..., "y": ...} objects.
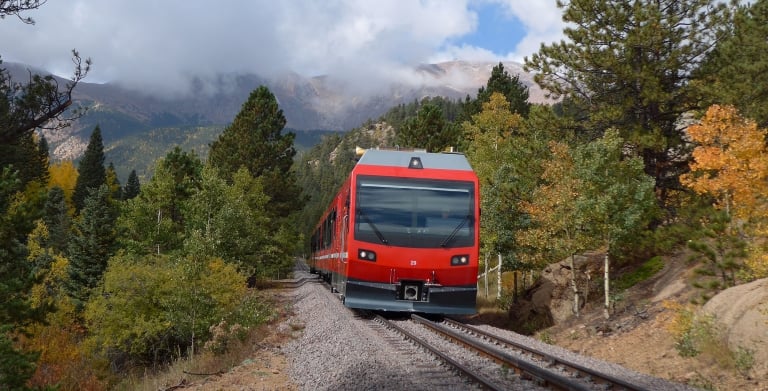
[{"x": 415, "y": 163}]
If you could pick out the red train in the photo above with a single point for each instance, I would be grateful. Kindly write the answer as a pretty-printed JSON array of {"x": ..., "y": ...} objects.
[{"x": 402, "y": 234}]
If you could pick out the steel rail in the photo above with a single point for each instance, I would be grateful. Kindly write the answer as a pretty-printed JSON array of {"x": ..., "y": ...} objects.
[
  {"x": 479, "y": 379},
  {"x": 595, "y": 375},
  {"x": 543, "y": 375}
]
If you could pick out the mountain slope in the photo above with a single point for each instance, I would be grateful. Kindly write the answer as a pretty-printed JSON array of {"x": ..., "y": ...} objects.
[{"x": 129, "y": 117}]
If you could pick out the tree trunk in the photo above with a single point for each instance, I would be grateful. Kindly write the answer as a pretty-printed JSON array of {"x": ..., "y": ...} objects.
[
  {"x": 514, "y": 286},
  {"x": 498, "y": 280},
  {"x": 485, "y": 276},
  {"x": 575, "y": 287},
  {"x": 607, "y": 282}
]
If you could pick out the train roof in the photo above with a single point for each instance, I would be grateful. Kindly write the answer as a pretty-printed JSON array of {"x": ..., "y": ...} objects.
[{"x": 395, "y": 158}]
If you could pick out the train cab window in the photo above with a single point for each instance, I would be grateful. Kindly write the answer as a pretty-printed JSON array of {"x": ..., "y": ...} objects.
[{"x": 413, "y": 212}]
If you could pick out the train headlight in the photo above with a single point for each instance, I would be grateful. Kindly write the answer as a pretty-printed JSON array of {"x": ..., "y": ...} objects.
[
  {"x": 366, "y": 255},
  {"x": 459, "y": 260}
]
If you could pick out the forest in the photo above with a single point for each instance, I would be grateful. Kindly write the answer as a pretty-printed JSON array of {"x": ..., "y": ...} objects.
[{"x": 657, "y": 140}]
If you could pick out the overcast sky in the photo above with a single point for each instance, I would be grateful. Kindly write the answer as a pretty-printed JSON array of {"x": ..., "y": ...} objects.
[{"x": 161, "y": 44}]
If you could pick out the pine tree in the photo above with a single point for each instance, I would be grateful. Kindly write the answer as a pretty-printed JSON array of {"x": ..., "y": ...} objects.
[
  {"x": 91, "y": 171},
  {"x": 132, "y": 186},
  {"x": 56, "y": 218},
  {"x": 427, "y": 130},
  {"x": 23, "y": 109},
  {"x": 513, "y": 90},
  {"x": 628, "y": 65},
  {"x": 114, "y": 182},
  {"x": 25, "y": 155},
  {"x": 736, "y": 72},
  {"x": 92, "y": 243},
  {"x": 15, "y": 282},
  {"x": 255, "y": 141}
]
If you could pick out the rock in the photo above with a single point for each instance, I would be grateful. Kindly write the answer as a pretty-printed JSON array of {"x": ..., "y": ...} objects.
[{"x": 742, "y": 314}]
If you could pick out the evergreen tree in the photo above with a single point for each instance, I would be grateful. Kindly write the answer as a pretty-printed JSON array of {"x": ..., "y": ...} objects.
[
  {"x": 629, "y": 66},
  {"x": 44, "y": 158},
  {"x": 113, "y": 182},
  {"x": 151, "y": 223},
  {"x": 92, "y": 243},
  {"x": 25, "y": 155},
  {"x": 91, "y": 171},
  {"x": 56, "y": 218},
  {"x": 428, "y": 130},
  {"x": 132, "y": 186},
  {"x": 254, "y": 141},
  {"x": 736, "y": 72},
  {"x": 15, "y": 282},
  {"x": 23, "y": 109},
  {"x": 185, "y": 169},
  {"x": 513, "y": 90}
]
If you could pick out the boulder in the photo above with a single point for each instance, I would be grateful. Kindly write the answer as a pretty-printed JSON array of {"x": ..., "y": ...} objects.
[
  {"x": 741, "y": 312},
  {"x": 551, "y": 296}
]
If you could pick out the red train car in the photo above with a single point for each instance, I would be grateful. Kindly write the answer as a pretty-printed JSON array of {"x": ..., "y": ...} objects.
[{"x": 402, "y": 234}]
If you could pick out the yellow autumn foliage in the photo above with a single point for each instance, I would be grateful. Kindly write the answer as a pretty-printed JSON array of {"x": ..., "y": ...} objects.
[{"x": 730, "y": 162}]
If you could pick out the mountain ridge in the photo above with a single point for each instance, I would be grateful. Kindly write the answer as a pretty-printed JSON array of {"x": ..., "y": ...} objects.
[{"x": 308, "y": 103}]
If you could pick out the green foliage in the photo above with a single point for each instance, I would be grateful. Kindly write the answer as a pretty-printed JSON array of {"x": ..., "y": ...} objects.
[
  {"x": 132, "y": 187},
  {"x": 231, "y": 219},
  {"x": 57, "y": 219},
  {"x": 647, "y": 270},
  {"x": 254, "y": 140},
  {"x": 321, "y": 170},
  {"x": 617, "y": 200},
  {"x": 27, "y": 157},
  {"x": 427, "y": 130},
  {"x": 736, "y": 71},
  {"x": 500, "y": 81},
  {"x": 91, "y": 171},
  {"x": 16, "y": 280},
  {"x": 113, "y": 182},
  {"x": 152, "y": 307},
  {"x": 501, "y": 150},
  {"x": 720, "y": 250},
  {"x": 557, "y": 229},
  {"x": 146, "y": 224},
  {"x": 398, "y": 115},
  {"x": 16, "y": 367},
  {"x": 629, "y": 66},
  {"x": 92, "y": 244}
]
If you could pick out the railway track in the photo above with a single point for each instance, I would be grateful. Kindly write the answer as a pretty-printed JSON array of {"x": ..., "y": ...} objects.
[
  {"x": 505, "y": 364},
  {"x": 463, "y": 370},
  {"x": 593, "y": 378}
]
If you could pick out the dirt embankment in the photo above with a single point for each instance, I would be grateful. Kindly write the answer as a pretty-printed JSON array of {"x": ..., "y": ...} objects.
[{"x": 637, "y": 334}]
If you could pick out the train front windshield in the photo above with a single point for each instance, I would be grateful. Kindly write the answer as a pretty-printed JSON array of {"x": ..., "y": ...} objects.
[{"x": 408, "y": 212}]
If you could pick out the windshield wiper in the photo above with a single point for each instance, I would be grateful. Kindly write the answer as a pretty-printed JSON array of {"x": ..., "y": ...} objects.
[
  {"x": 373, "y": 226},
  {"x": 455, "y": 231}
]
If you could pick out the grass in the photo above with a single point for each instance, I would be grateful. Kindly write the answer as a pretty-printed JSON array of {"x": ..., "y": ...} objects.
[
  {"x": 192, "y": 369},
  {"x": 647, "y": 270},
  {"x": 698, "y": 335}
]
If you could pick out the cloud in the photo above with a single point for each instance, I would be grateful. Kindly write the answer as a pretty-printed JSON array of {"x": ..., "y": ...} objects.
[{"x": 159, "y": 46}]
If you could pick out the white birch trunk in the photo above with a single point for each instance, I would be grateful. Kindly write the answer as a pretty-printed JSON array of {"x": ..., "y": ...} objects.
[
  {"x": 607, "y": 282},
  {"x": 485, "y": 276},
  {"x": 575, "y": 287},
  {"x": 498, "y": 279}
]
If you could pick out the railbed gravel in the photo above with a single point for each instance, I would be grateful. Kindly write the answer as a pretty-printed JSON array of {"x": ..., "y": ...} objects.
[{"x": 336, "y": 350}]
